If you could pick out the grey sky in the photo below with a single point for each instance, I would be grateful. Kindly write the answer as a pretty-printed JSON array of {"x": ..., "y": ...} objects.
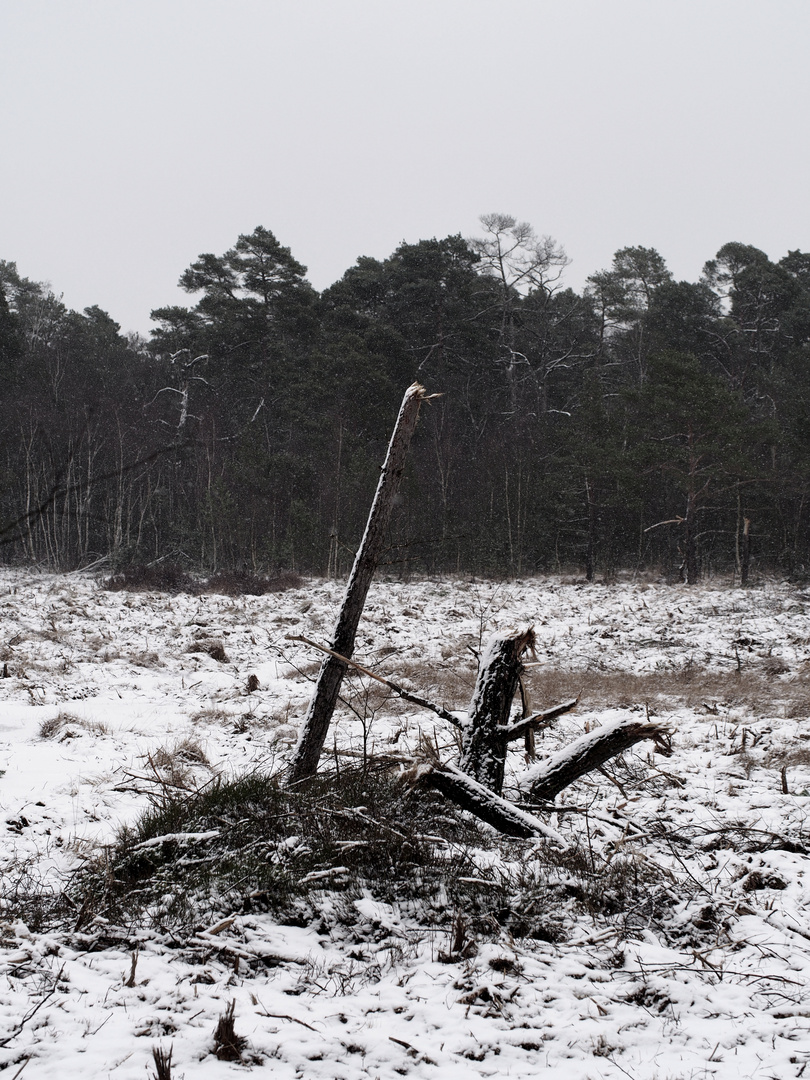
[{"x": 138, "y": 133}]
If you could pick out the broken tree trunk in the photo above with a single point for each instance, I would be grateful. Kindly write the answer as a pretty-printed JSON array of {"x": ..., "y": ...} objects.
[
  {"x": 547, "y": 779},
  {"x": 487, "y": 732},
  {"x": 330, "y": 677},
  {"x": 483, "y": 746}
]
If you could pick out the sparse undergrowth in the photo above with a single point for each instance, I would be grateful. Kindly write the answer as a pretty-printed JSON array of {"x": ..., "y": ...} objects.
[
  {"x": 756, "y": 689},
  {"x": 171, "y": 578},
  {"x": 249, "y": 845}
]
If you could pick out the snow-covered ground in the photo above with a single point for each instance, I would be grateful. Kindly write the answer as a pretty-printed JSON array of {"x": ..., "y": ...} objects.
[{"x": 709, "y": 978}]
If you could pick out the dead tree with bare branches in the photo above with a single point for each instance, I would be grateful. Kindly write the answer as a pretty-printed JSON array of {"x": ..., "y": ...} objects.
[
  {"x": 476, "y": 782},
  {"x": 489, "y": 729}
]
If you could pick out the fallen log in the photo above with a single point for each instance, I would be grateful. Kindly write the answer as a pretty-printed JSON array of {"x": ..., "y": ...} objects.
[
  {"x": 479, "y": 800},
  {"x": 543, "y": 782},
  {"x": 549, "y": 777}
]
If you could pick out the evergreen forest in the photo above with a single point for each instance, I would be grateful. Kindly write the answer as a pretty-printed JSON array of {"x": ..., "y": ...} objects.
[{"x": 643, "y": 423}]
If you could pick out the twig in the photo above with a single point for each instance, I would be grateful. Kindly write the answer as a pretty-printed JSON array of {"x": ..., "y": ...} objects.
[
  {"x": 538, "y": 720},
  {"x": 401, "y": 691},
  {"x": 552, "y": 808},
  {"x": 32, "y": 1012},
  {"x": 284, "y": 1016}
]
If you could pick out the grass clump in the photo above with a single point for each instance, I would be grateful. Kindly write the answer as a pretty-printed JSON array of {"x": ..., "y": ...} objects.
[
  {"x": 67, "y": 726},
  {"x": 228, "y": 1046},
  {"x": 248, "y": 844},
  {"x": 163, "y": 1063},
  {"x": 215, "y": 649}
]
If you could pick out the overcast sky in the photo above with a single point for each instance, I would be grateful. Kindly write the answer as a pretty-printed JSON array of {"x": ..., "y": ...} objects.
[{"x": 137, "y": 134}]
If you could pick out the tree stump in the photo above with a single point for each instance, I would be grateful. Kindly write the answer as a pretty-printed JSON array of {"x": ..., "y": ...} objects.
[{"x": 485, "y": 735}]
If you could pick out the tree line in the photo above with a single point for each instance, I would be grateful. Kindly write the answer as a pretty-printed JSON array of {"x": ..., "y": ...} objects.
[{"x": 643, "y": 422}]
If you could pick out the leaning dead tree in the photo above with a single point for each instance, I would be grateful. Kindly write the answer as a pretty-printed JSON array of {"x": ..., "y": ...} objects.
[{"x": 327, "y": 688}]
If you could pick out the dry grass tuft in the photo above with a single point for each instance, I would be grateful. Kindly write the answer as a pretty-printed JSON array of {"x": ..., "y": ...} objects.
[
  {"x": 146, "y": 658},
  {"x": 213, "y": 715},
  {"x": 172, "y": 767},
  {"x": 214, "y": 648},
  {"x": 228, "y": 1046},
  {"x": 163, "y": 1063},
  {"x": 186, "y": 751},
  {"x": 51, "y": 727},
  {"x": 775, "y": 666},
  {"x": 66, "y": 723}
]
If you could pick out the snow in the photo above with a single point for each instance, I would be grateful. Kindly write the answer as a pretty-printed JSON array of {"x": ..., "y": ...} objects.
[{"x": 712, "y": 984}]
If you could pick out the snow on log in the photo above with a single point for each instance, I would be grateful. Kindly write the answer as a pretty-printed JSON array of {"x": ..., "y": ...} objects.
[
  {"x": 479, "y": 800},
  {"x": 545, "y": 780}
]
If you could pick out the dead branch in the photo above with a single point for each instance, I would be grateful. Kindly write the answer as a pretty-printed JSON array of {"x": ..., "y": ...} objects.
[
  {"x": 319, "y": 715},
  {"x": 537, "y": 721},
  {"x": 670, "y": 521},
  {"x": 395, "y": 687}
]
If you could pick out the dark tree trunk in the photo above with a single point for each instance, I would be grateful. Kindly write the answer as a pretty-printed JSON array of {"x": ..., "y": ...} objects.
[
  {"x": 690, "y": 556},
  {"x": 324, "y": 699},
  {"x": 745, "y": 553},
  {"x": 589, "y": 554}
]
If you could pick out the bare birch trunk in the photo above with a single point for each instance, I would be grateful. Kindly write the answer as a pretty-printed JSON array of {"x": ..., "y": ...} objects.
[{"x": 324, "y": 699}]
